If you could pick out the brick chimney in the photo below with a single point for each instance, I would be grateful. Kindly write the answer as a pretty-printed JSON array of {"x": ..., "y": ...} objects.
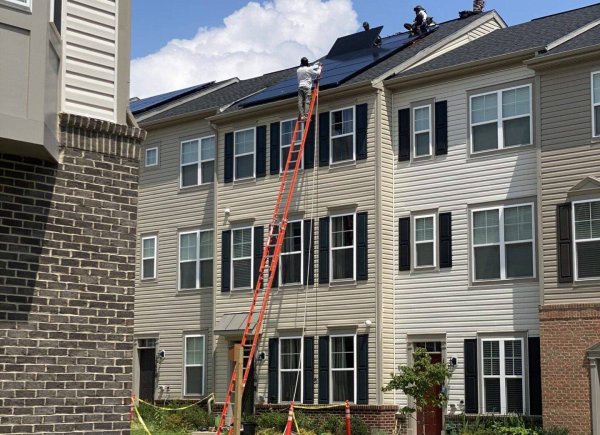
[{"x": 478, "y": 6}]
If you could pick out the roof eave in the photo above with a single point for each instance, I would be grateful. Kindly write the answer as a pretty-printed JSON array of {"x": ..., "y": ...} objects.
[
  {"x": 579, "y": 54},
  {"x": 162, "y": 122}
]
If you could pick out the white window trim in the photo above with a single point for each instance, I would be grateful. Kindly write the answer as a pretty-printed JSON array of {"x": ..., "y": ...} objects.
[
  {"x": 332, "y": 137},
  {"x": 499, "y": 119},
  {"x": 147, "y": 258},
  {"x": 197, "y": 162},
  {"x": 197, "y": 260},
  {"x": 146, "y": 165},
  {"x": 331, "y": 248},
  {"x": 594, "y": 74},
  {"x": 281, "y": 254},
  {"x": 503, "y": 376},
  {"x": 415, "y": 132},
  {"x": 186, "y": 365},
  {"x": 299, "y": 369},
  {"x": 232, "y": 271},
  {"x": 502, "y": 243},
  {"x": 575, "y": 241},
  {"x": 434, "y": 240},
  {"x": 235, "y": 156},
  {"x": 282, "y": 146},
  {"x": 23, "y": 5},
  {"x": 331, "y": 369}
]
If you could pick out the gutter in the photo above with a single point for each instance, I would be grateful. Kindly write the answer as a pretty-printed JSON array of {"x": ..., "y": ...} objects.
[
  {"x": 550, "y": 60},
  {"x": 177, "y": 118}
]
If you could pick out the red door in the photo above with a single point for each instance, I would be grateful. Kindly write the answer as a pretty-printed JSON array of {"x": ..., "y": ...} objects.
[{"x": 429, "y": 421}]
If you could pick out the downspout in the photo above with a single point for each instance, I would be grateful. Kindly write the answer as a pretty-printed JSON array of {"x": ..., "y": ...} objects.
[
  {"x": 214, "y": 128},
  {"x": 378, "y": 249}
]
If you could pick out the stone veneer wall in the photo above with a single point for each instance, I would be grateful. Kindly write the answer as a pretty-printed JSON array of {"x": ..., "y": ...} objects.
[
  {"x": 67, "y": 266},
  {"x": 567, "y": 331}
]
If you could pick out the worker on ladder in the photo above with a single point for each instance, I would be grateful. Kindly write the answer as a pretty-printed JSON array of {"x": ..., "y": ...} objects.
[{"x": 306, "y": 74}]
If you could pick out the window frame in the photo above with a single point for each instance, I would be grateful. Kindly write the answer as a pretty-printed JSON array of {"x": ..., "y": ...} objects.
[
  {"x": 331, "y": 247},
  {"x": 595, "y": 134},
  {"x": 500, "y": 119},
  {"x": 331, "y": 368},
  {"x": 198, "y": 260},
  {"x": 434, "y": 240},
  {"x": 186, "y": 365},
  {"x": 282, "y": 253},
  {"x": 502, "y": 376},
  {"x": 197, "y": 162},
  {"x": 146, "y": 165},
  {"x": 575, "y": 241},
  {"x": 232, "y": 270},
  {"x": 300, "y": 369},
  {"x": 21, "y": 5},
  {"x": 282, "y": 146},
  {"x": 429, "y": 131},
  {"x": 155, "y": 257},
  {"x": 235, "y": 156},
  {"x": 332, "y": 137},
  {"x": 502, "y": 243}
]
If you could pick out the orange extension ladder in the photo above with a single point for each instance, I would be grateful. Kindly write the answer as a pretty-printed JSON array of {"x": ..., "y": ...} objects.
[{"x": 272, "y": 249}]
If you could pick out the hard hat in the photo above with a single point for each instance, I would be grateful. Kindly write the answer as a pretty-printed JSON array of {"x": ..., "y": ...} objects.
[{"x": 419, "y": 8}]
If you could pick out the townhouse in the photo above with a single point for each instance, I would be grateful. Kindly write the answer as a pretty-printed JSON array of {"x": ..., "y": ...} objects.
[{"x": 416, "y": 223}]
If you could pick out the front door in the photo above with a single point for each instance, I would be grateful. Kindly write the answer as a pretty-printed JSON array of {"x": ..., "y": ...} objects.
[
  {"x": 429, "y": 421},
  {"x": 147, "y": 359}
]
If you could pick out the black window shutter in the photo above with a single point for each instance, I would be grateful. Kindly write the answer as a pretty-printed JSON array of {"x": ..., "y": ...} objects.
[
  {"x": 403, "y": 135},
  {"x": 309, "y": 251},
  {"x": 309, "y": 146},
  {"x": 361, "y": 131},
  {"x": 275, "y": 148},
  {"x": 226, "y": 261},
  {"x": 404, "y": 243},
  {"x": 535, "y": 376},
  {"x": 258, "y": 251},
  {"x": 564, "y": 245},
  {"x": 228, "y": 161},
  {"x": 324, "y": 250},
  {"x": 273, "y": 243},
  {"x": 261, "y": 151},
  {"x": 309, "y": 369},
  {"x": 441, "y": 128},
  {"x": 324, "y": 139},
  {"x": 471, "y": 388},
  {"x": 273, "y": 370},
  {"x": 362, "y": 374},
  {"x": 362, "y": 247},
  {"x": 445, "y": 229},
  {"x": 324, "y": 369}
]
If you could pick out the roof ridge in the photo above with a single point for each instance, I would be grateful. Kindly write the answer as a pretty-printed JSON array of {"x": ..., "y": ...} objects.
[{"x": 560, "y": 13}]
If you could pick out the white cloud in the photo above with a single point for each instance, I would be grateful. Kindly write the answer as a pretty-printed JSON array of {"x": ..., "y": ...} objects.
[{"x": 258, "y": 38}]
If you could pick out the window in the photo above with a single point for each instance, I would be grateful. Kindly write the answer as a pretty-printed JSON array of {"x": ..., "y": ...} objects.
[
  {"x": 241, "y": 266},
  {"x": 198, "y": 161},
  {"x": 290, "y": 261},
  {"x": 501, "y": 119},
  {"x": 21, "y": 4},
  {"x": 290, "y": 373},
  {"x": 596, "y": 103},
  {"x": 422, "y": 131},
  {"x": 425, "y": 241},
  {"x": 195, "y": 259},
  {"x": 503, "y": 242},
  {"x": 148, "y": 257},
  {"x": 194, "y": 365},
  {"x": 342, "y": 135},
  {"x": 343, "y": 368},
  {"x": 151, "y": 157},
  {"x": 342, "y": 247},
  {"x": 244, "y": 154},
  {"x": 287, "y": 131},
  {"x": 56, "y": 13},
  {"x": 146, "y": 343},
  {"x": 503, "y": 378},
  {"x": 587, "y": 239}
]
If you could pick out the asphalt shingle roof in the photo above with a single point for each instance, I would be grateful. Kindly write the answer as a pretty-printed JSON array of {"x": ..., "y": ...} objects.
[{"x": 586, "y": 39}]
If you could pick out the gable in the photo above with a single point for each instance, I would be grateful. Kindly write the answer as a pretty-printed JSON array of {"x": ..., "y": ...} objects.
[{"x": 585, "y": 186}]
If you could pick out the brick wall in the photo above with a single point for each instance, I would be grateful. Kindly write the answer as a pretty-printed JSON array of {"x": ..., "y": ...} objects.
[
  {"x": 67, "y": 262},
  {"x": 567, "y": 331}
]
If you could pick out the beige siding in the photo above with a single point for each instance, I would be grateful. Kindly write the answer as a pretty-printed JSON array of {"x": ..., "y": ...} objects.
[
  {"x": 164, "y": 209},
  {"x": 444, "y": 303},
  {"x": 569, "y": 155}
]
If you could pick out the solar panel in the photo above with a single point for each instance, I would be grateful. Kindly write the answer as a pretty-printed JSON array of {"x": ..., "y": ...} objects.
[
  {"x": 156, "y": 100},
  {"x": 354, "y": 42}
]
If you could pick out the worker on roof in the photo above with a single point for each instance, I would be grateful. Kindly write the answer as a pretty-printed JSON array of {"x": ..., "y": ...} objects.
[
  {"x": 420, "y": 23},
  {"x": 306, "y": 74}
]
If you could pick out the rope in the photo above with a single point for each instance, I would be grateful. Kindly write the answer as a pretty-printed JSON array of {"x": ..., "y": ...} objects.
[{"x": 179, "y": 409}]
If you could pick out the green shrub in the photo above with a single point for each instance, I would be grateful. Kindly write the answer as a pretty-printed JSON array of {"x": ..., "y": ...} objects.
[
  {"x": 175, "y": 422},
  {"x": 555, "y": 431},
  {"x": 268, "y": 431},
  {"x": 306, "y": 422},
  {"x": 333, "y": 424},
  {"x": 196, "y": 417},
  {"x": 272, "y": 420},
  {"x": 359, "y": 427}
]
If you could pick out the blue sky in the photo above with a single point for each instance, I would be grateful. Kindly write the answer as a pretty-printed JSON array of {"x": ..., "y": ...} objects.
[{"x": 203, "y": 40}]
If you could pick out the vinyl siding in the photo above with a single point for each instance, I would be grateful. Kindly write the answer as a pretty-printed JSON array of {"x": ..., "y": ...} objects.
[
  {"x": 444, "y": 304},
  {"x": 164, "y": 210},
  {"x": 569, "y": 155}
]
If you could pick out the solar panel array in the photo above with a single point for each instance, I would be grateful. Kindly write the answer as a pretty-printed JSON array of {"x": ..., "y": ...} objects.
[{"x": 156, "y": 100}]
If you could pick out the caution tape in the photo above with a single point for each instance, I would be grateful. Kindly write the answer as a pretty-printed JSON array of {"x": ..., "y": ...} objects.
[
  {"x": 179, "y": 409},
  {"x": 341, "y": 405},
  {"x": 137, "y": 412}
]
